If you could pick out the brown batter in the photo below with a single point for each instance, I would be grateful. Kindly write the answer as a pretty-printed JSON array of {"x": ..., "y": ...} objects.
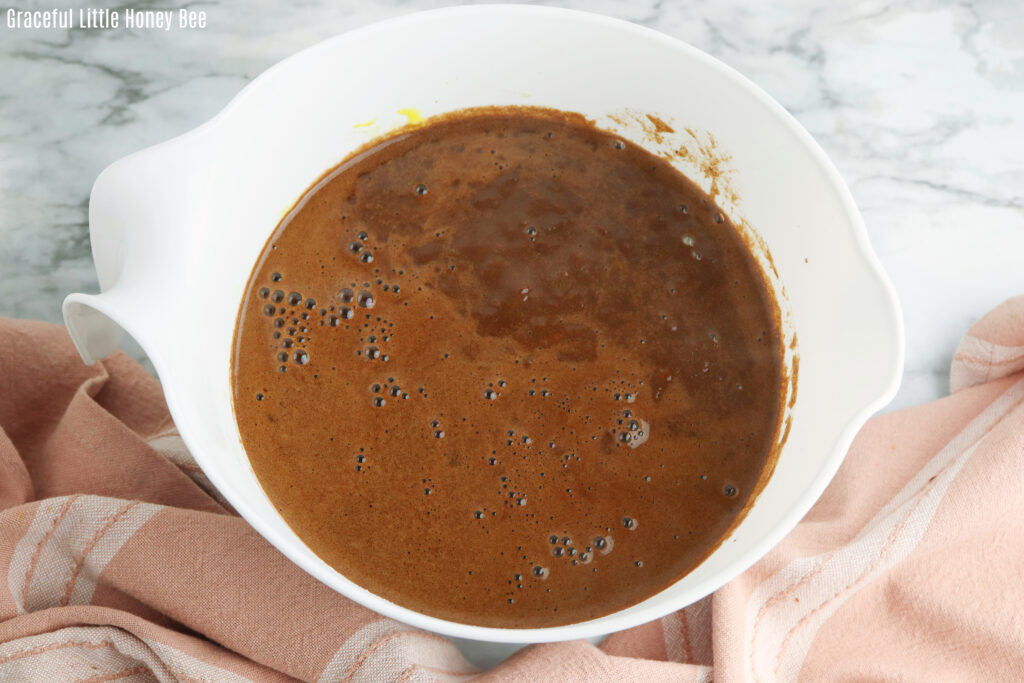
[{"x": 506, "y": 369}]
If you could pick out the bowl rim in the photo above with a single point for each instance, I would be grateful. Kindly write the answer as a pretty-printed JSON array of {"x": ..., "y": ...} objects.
[{"x": 634, "y": 615}]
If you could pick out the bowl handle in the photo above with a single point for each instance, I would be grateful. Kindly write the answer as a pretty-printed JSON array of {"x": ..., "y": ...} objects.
[
  {"x": 138, "y": 245},
  {"x": 93, "y": 330}
]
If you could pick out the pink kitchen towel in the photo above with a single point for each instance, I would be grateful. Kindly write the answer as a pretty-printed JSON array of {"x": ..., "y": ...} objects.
[{"x": 119, "y": 561}]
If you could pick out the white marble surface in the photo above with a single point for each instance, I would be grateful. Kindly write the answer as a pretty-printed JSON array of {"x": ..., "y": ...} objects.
[{"x": 919, "y": 104}]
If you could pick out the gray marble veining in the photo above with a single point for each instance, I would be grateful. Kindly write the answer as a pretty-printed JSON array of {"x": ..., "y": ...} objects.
[{"x": 919, "y": 104}]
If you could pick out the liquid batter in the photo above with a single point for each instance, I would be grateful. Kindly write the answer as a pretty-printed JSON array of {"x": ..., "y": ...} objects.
[{"x": 507, "y": 369}]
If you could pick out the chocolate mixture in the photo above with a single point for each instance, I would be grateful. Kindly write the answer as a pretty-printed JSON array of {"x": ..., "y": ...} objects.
[{"x": 508, "y": 370}]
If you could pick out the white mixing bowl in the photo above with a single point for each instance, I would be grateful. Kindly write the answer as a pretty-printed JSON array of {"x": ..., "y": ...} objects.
[{"x": 176, "y": 229}]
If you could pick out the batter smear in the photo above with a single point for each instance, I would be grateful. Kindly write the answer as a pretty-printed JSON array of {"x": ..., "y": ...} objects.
[{"x": 507, "y": 369}]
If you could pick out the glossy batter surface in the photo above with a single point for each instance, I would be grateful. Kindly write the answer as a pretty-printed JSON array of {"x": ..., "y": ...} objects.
[{"x": 508, "y": 370}]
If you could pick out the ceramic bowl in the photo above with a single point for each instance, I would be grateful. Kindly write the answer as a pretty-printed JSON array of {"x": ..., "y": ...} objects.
[{"x": 176, "y": 229}]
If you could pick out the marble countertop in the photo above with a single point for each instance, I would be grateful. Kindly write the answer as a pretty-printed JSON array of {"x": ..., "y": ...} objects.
[{"x": 921, "y": 107}]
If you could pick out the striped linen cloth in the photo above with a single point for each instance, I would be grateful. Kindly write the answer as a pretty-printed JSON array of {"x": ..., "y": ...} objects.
[{"x": 121, "y": 563}]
